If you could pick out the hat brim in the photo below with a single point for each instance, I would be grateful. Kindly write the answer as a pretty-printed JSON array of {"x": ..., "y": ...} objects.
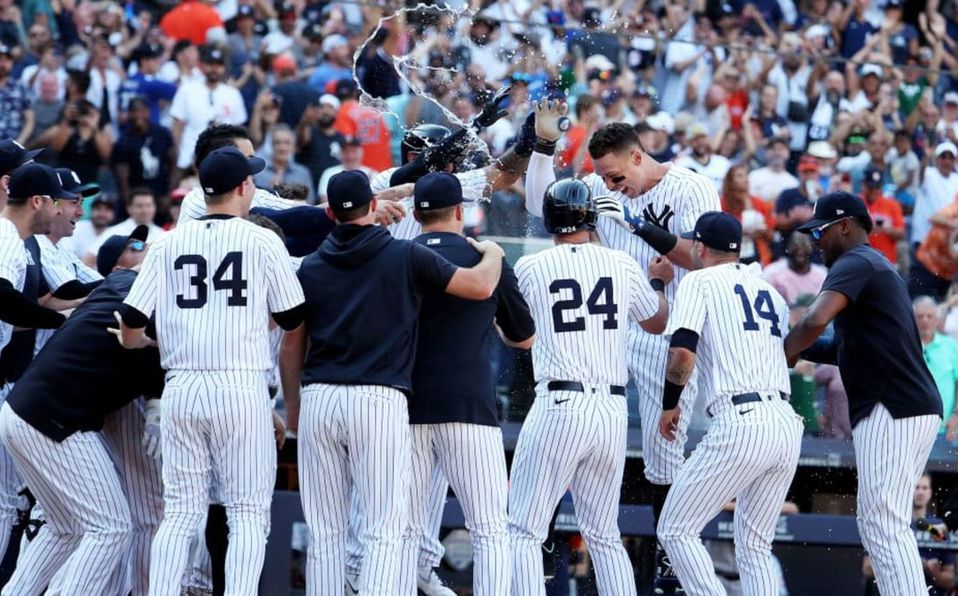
[
  {"x": 29, "y": 155},
  {"x": 140, "y": 233},
  {"x": 88, "y": 190},
  {"x": 67, "y": 195},
  {"x": 689, "y": 235},
  {"x": 808, "y": 226},
  {"x": 256, "y": 165}
]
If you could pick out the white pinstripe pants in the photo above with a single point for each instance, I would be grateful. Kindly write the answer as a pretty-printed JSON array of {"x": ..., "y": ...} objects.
[
  {"x": 88, "y": 519},
  {"x": 578, "y": 444},
  {"x": 750, "y": 453},
  {"x": 473, "y": 458},
  {"x": 890, "y": 455},
  {"x": 430, "y": 549},
  {"x": 10, "y": 485},
  {"x": 216, "y": 428},
  {"x": 353, "y": 437}
]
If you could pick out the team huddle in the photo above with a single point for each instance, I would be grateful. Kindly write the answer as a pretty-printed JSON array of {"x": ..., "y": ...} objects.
[{"x": 152, "y": 400}]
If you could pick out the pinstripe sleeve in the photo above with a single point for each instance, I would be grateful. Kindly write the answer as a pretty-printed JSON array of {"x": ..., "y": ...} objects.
[
  {"x": 264, "y": 198},
  {"x": 688, "y": 309},
  {"x": 380, "y": 181},
  {"x": 643, "y": 301},
  {"x": 700, "y": 197},
  {"x": 145, "y": 288},
  {"x": 284, "y": 291},
  {"x": 193, "y": 206},
  {"x": 55, "y": 271},
  {"x": 11, "y": 252}
]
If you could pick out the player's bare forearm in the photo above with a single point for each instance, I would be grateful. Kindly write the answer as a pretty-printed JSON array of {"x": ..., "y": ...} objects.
[
  {"x": 681, "y": 255},
  {"x": 506, "y": 171},
  {"x": 292, "y": 354},
  {"x": 822, "y": 312},
  {"x": 657, "y": 323},
  {"x": 680, "y": 365}
]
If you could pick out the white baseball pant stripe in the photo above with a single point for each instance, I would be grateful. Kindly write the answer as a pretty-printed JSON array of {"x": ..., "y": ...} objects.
[
  {"x": 473, "y": 458},
  {"x": 578, "y": 443},
  {"x": 750, "y": 453},
  {"x": 9, "y": 487},
  {"x": 430, "y": 549},
  {"x": 353, "y": 437},
  {"x": 648, "y": 355},
  {"x": 142, "y": 483},
  {"x": 87, "y": 514},
  {"x": 890, "y": 455},
  {"x": 217, "y": 434}
]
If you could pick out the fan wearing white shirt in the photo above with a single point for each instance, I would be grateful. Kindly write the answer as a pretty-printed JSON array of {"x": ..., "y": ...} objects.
[{"x": 141, "y": 206}]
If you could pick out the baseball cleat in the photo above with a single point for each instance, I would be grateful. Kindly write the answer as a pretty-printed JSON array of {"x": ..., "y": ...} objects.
[{"x": 429, "y": 583}]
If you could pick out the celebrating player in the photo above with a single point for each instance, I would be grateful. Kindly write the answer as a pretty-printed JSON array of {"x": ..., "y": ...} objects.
[
  {"x": 893, "y": 402},
  {"x": 581, "y": 297},
  {"x": 731, "y": 320}
]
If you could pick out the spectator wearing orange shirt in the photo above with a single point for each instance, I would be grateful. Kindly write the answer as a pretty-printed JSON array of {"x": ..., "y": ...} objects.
[
  {"x": 588, "y": 115},
  {"x": 886, "y": 214},
  {"x": 365, "y": 124},
  {"x": 936, "y": 262},
  {"x": 758, "y": 221},
  {"x": 192, "y": 20}
]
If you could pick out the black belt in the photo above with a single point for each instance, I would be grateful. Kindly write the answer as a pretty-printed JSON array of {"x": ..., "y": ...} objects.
[
  {"x": 747, "y": 398},
  {"x": 576, "y": 386}
]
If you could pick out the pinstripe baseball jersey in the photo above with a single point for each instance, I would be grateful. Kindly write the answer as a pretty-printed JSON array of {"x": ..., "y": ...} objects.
[
  {"x": 474, "y": 186},
  {"x": 741, "y": 321},
  {"x": 580, "y": 296},
  {"x": 13, "y": 267},
  {"x": 194, "y": 203},
  {"x": 213, "y": 283},
  {"x": 59, "y": 266}
]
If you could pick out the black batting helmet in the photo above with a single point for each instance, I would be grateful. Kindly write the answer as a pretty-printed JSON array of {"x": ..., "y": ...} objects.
[
  {"x": 568, "y": 207},
  {"x": 420, "y": 137}
]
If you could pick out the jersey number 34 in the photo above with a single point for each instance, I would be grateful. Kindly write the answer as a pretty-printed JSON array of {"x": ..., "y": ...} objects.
[
  {"x": 599, "y": 303},
  {"x": 232, "y": 265}
]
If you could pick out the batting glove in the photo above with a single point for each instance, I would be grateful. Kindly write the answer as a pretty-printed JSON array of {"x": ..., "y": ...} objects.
[
  {"x": 550, "y": 114},
  {"x": 151, "y": 428},
  {"x": 493, "y": 111},
  {"x": 619, "y": 213}
]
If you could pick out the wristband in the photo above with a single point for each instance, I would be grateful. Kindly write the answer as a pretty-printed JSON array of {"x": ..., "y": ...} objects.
[
  {"x": 661, "y": 240},
  {"x": 657, "y": 284},
  {"x": 544, "y": 147},
  {"x": 670, "y": 395}
]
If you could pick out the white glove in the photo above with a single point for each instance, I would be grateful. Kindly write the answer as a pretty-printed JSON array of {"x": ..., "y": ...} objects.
[
  {"x": 549, "y": 114},
  {"x": 610, "y": 207},
  {"x": 151, "y": 428}
]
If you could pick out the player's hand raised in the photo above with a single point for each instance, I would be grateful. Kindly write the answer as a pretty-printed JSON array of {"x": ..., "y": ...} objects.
[
  {"x": 669, "y": 423},
  {"x": 550, "y": 119},
  {"x": 493, "y": 110},
  {"x": 661, "y": 268},
  {"x": 613, "y": 209},
  {"x": 144, "y": 341},
  {"x": 486, "y": 246}
]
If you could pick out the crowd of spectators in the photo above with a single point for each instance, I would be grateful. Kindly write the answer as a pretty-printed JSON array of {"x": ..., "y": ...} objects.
[{"x": 776, "y": 101}]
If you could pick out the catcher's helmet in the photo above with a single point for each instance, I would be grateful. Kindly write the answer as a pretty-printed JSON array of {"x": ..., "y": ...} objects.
[
  {"x": 568, "y": 207},
  {"x": 420, "y": 137}
]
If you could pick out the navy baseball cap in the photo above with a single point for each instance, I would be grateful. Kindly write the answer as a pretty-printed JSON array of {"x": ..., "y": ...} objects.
[
  {"x": 114, "y": 246},
  {"x": 13, "y": 155},
  {"x": 835, "y": 206},
  {"x": 717, "y": 230},
  {"x": 437, "y": 190},
  {"x": 225, "y": 168},
  {"x": 873, "y": 177},
  {"x": 212, "y": 55},
  {"x": 72, "y": 183},
  {"x": 348, "y": 190},
  {"x": 34, "y": 179}
]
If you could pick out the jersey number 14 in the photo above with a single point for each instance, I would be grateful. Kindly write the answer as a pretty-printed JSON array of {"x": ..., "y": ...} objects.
[
  {"x": 764, "y": 308},
  {"x": 232, "y": 265}
]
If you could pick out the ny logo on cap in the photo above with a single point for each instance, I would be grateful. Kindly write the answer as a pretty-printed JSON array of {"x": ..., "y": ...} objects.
[
  {"x": 75, "y": 177},
  {"x": 19, "y": 145}
]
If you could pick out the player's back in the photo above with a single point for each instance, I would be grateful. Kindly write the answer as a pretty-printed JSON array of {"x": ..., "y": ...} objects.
[
  {"x": 745, "y": 322},
  {"x": 580, "y": 296},
  {"x": 217, "y": 282}
]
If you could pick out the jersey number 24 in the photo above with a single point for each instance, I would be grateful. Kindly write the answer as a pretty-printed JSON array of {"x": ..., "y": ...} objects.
[
  {"x": 599, "y": 303},
  {"x": 232, "y": 264},
  {"x": 764, "y": 308}
]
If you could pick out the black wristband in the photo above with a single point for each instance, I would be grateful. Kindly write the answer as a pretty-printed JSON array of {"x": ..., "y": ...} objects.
[
  {"x": 657, "y": 284},
  {"x": 661, "y": 240},
  {"x": 544, "y": 147},
  {"x": 670, "y": 395}
]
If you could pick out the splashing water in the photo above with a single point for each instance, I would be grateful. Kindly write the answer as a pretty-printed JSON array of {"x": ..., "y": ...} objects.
[{"x": 402, "y": 64}]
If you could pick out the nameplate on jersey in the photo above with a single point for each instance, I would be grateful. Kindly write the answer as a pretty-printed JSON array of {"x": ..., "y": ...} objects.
[{"x": 433, "y": 241}]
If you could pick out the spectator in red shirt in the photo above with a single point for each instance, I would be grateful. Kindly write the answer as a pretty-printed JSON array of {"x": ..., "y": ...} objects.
[
  {"x": 588, "y": 115},
  {"x": 886, "y": 214},
  {"x": 192, "y": 20},
  {"x": 364, "y": 123}
]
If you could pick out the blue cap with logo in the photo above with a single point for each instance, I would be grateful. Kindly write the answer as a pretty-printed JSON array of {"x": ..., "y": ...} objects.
[
  {"x": 437, "y": 190},
  {"x": 13, "y": 154},
  {"x": 348, "y": 190},
  {"x": 111, "y": 250},
  {"x": 835, "y": 206},
  {"x": 36, "y": 179},
  {"x": 225, "y": 168},
  {"x": 718, "y": 231}
]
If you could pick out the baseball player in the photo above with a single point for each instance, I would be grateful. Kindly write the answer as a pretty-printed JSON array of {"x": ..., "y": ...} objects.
[
  {"x": 452, "y": 410},
  {"x": 12, "y": 156},
  {"x": 355, "y": 425},
  {"x": 646, "y": 207},
  {"x": 34, "y": 194},
  {"x": 893, "y": 402},
  {"x": 214, "y": 284},
  {"x": 50, "y": 428},
  {"x": 729, "y": 320},
  {"x": 581, "y": 296}
]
